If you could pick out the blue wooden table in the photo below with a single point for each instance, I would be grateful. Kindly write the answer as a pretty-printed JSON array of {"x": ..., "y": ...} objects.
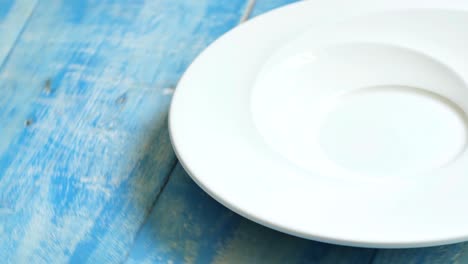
[{"x": 87, "y": 173}]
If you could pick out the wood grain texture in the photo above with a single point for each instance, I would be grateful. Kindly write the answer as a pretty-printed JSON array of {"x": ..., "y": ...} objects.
[
  {"x": 13, "y": 17},
  {"x": 84, "y": 148}
]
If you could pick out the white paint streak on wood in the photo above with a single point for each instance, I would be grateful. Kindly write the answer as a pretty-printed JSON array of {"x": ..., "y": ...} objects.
[
  {"x": 74, "y": 145},
  {"x": 79, "y": 179}
]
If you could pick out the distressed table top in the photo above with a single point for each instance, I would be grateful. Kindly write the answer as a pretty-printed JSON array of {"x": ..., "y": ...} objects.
[{"x": 87, "y": 173}]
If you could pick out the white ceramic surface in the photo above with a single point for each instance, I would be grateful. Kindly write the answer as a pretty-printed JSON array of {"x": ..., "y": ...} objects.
[{"x": 335, "y": 121}]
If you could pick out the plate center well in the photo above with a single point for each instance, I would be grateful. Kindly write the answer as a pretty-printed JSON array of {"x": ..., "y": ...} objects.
[
  {"x": 392, "y": 129},
  {"x": 361, "y": 108}
]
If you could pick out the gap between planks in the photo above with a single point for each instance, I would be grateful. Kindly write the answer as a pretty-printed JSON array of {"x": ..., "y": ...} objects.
[
  {"x": 20, "y": 33},
  {"x": 153, "y": 204}
]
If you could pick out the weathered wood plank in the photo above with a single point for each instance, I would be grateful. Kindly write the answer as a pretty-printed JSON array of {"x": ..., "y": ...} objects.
[
  {"x": 188, "y": 226},
  {"x": 84, "y": 148},
  {"x": 13, "y": 16}
]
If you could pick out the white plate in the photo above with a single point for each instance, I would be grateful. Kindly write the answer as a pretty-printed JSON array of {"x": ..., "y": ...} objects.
[{"x": 338, "y": 121}]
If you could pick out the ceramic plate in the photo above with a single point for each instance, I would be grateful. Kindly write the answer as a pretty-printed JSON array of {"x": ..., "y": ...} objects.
[{"x": 337, "y": 121}]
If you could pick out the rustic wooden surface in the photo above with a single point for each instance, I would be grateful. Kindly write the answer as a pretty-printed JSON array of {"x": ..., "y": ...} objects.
[{"x": 87, "y": 173}]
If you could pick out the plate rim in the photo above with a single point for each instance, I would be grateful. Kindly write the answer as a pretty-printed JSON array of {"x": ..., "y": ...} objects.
[{"x": 279, "y": 226}]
